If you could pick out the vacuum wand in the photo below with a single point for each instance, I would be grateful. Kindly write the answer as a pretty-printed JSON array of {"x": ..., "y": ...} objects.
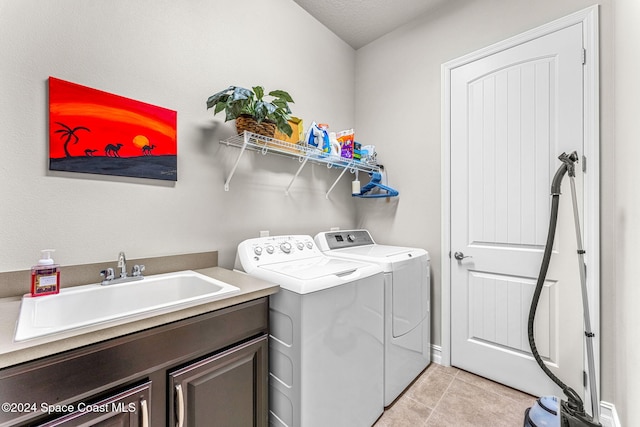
[
  {"x": 569, "y": 161},
  {"x": 589, "y": 335}
]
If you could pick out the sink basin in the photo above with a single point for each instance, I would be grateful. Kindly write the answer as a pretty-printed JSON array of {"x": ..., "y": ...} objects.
[{"x": 89, "y": 305}]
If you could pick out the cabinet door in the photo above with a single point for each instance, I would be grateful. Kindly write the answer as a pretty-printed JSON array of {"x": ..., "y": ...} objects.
[
  {"x": 226, "y": 389},
  {"x": 129, "y": 408}
]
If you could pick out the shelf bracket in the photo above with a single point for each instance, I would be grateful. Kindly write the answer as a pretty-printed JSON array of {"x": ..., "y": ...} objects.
[
  {"x": 336, "y": 181},
  {"x": 302, "y": 165},
  {"x": 235, "y": 165}
]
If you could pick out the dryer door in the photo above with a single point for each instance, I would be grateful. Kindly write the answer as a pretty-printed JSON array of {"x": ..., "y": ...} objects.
[{"x": 409, "y": 294}]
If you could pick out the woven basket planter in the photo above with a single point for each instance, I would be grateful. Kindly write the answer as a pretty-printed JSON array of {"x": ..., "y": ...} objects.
[{"x": 249, "y": 123}]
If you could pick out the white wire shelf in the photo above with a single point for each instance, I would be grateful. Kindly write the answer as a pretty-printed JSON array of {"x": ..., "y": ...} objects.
[{"x": 304, "y": 154}]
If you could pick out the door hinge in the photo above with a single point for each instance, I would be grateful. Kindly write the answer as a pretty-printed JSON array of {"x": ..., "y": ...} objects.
[
  {"x": 584, "y": 56},
  {"x": 584, "y": 164}
]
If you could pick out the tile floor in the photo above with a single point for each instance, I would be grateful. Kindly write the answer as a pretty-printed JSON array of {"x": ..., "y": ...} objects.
[{"x": 446, "y": 396}]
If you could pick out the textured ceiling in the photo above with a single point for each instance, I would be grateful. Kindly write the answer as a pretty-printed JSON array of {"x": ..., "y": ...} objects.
[{"x": 359, "y": 22}]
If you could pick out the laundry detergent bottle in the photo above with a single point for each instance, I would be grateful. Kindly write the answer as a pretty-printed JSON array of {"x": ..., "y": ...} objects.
[{"x": 45, "y": 276}]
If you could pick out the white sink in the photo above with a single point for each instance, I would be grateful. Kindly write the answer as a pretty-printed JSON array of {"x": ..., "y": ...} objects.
[{"x": 88, "y": 305}]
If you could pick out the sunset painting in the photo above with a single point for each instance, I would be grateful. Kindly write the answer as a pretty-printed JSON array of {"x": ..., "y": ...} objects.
[{"x": 92, "y": 131}]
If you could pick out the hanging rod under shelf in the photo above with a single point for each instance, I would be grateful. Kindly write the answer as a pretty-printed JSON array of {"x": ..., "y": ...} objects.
[{"x": 254, "y": 142}]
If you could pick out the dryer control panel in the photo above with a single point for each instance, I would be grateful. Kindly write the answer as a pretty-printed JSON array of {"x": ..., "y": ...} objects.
[{"x": 343, "y": 239}]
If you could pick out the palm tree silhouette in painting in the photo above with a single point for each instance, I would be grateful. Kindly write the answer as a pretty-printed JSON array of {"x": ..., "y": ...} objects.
[{"x": 70, "y": 134}]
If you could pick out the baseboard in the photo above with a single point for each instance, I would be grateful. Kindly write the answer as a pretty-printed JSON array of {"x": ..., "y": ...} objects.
[
  {"x": 436, "y": 354},
  {"x": 608, "y": 415}
]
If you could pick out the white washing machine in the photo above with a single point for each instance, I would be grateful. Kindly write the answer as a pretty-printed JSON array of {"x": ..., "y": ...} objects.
[
  {"x": 326, "y": 333},
  {"x": 407, "y": 308}
]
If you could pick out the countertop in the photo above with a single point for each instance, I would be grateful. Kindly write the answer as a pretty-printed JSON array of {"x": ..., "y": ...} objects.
[{"x": 12, "y": 353}]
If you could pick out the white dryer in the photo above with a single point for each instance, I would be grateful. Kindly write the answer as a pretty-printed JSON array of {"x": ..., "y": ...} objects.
[
  {"x": 326, "y": 333},
  {"x": 407, "y": 323}
]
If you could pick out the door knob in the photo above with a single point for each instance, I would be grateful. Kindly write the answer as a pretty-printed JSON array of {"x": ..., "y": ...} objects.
[{"x": 460, "y": 256}]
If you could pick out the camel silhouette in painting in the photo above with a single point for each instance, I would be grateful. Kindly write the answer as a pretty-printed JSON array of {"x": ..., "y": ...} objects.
[
  {"x": 89, "y": 152},
  {"x": 112, "y": 150},
  {"x": 146, "y": 150},
  {"x": 69, "y": 133}
]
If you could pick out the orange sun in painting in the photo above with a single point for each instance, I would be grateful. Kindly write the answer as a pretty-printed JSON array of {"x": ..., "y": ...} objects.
[{"x": 140, "y": 141}]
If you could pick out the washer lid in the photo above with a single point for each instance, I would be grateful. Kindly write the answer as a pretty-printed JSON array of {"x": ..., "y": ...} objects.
[
  {"x": 313, "y": 268},
  {"x": 315, "y": 274}
]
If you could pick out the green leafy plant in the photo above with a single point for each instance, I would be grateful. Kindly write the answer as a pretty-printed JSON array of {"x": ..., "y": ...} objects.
[{"x": 237, "y": 101}]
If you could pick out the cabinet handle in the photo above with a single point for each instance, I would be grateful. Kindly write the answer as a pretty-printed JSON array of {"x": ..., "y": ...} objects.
[
  {"x": 145, "y": 413},
  {"x": 180, "y": 408}
]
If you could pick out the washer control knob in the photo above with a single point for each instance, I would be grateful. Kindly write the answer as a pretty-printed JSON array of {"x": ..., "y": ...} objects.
[
  {"x": 300, "y": 246},
  {"x": 286, "y": 247},
  {"x": 257, "y": 250},
  {"x": 310, "y": 245},
  {"x": 270, "y": 249},
  {"x": 351, "y": 237}
]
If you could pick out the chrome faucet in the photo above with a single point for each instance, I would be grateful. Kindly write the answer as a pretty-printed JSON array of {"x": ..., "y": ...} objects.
[
  {"x": 122, "y": 264},
  {"x": 109, "y": 275}
]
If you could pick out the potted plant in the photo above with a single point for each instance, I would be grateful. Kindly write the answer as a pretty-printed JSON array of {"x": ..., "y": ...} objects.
[{"x": 251, "y": 111}]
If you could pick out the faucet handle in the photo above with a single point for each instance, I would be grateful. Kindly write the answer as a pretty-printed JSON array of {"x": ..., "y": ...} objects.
[
  {"x": 108, "y": 274},
  {"x": 137, "y": 270}
]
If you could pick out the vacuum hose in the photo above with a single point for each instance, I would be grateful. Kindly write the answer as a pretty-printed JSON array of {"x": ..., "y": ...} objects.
[{"x": 574, "y": 400}]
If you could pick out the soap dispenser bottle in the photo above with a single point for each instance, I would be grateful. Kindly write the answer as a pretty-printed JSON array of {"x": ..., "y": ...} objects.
[{"x": 45, "y": 276}]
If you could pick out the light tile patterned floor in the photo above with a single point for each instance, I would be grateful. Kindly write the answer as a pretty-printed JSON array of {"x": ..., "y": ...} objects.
[{"x": 447, "y": 396}]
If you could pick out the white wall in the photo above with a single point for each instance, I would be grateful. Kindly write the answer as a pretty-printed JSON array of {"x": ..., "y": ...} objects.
[
  {"x": 626, "y": 220},
  {"x": 398, "y": 99},
  {"x": 174, "y": 54}
]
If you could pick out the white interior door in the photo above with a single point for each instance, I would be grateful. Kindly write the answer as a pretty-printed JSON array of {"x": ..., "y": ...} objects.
[{"x": 512, "y": 114}]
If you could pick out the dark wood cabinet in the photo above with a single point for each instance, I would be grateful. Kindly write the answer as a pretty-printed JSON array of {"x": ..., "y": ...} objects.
[
  {"x": 224, "y": 390},
  {"x": 219, "y": 360}
]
